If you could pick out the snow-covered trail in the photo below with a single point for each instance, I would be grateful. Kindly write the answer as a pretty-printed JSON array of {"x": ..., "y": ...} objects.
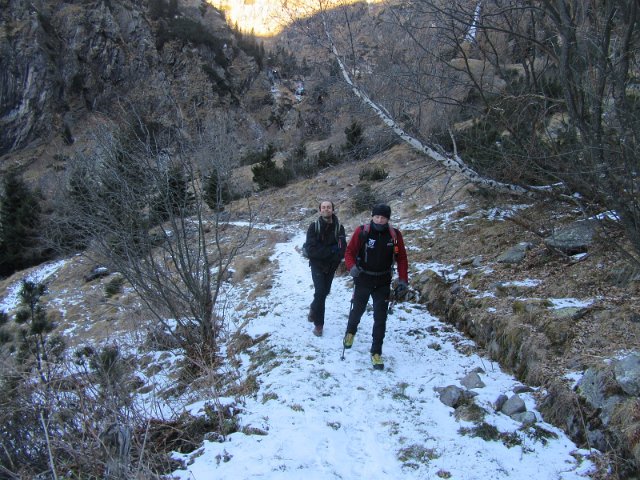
[{"x": 329, "y": 418}]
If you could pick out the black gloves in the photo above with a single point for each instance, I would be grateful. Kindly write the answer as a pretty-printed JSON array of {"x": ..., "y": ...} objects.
[{"x": 402, "y": 289}]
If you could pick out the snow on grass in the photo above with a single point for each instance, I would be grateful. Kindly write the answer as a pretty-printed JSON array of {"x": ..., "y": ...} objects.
[
  {"x": 328, "y": 418},
  {"x": 527, "y": 282},
  {"x": 501, "y": 214},
  {"x": 443, "y": 218},
  {"x": 39, "y": 275},
  {"x": 558, "y": 303}
]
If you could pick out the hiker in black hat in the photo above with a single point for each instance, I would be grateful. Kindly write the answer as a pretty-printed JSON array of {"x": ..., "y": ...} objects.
[
  {"x": 369, "y": 258},
  {"x": 325, "y": 246}
]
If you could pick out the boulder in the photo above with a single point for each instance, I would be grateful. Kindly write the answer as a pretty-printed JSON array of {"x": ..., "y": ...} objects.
[
  {"x": 525, "y": 418},
  {"x": 472, "y": 380},
  {"x": 600, "y": 389},
  {"x": 574, "y": 238},
  {"x": 451, "y": 395},
  {"x": 454, "y": 396},
  {"x": 98, "y": 271},
  {"x": 627, "y": 373},
  {"x": 500, "y": 401},
  {"x": 515, "y": 254},
  {"x": 513, "y": 405}
]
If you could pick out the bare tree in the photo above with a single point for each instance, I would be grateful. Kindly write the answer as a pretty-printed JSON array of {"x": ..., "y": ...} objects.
[
  {"x": 215, "y": 157},
  {"x": 516, "y": 95},
  {"x": 359, "y": 70},
  {"x": 137, "y": 201}
]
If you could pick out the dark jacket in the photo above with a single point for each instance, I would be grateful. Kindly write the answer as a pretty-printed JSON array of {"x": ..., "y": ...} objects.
[
  {"x": 378, "y": 247},
  {"x": 325, "y": 248}
]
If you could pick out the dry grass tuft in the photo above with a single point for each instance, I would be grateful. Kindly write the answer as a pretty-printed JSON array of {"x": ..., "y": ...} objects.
[
  {"x": 248, "y": 266},
  {"x": 627, "y": 420}
]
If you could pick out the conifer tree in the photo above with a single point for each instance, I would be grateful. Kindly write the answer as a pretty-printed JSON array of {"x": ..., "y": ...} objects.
[
  {"x": 174, "y": 195},
  {"x": 354, "y": 145},
  {"x": 217, "y": 192},
  {"x": 37, "y": 346},
  {"x": 266, "y": 173},
  {"x": 20, "y": 221}
]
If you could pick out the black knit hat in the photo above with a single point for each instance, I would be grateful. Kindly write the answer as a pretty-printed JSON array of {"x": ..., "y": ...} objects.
[{"x": 381, "y": 209}]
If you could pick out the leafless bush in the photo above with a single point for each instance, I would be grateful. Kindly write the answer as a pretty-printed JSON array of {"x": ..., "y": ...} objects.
[
  {"x": 515, "y": 95},
  {"x": 137, "y": 200}
]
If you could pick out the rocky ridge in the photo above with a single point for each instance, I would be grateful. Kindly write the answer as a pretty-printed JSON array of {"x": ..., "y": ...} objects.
[{"x": 67, "y": 66}]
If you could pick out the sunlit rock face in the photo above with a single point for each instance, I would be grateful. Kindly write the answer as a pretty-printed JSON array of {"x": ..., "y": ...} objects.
[{"x": 268, "y": 17}]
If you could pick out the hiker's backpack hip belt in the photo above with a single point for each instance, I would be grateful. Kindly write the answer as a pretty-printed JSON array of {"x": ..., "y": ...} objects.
[{"x": 376, "y": 274}]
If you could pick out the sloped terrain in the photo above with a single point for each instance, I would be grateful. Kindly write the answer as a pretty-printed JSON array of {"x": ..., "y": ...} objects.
[
  {"x": 551, "y": 319},
  {"x": 548, "y": 319}
]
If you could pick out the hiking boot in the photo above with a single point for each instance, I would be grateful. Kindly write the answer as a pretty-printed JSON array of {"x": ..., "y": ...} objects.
[
  {"x": 317, "y": 330},
  {"x": 347, "y": 342},
  {"x": 376, "y": 361}
]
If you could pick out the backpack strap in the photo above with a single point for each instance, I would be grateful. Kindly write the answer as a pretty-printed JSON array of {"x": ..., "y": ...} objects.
[
  {"x": 336, "y": 231},
  {"x": 364, "y": 234}
]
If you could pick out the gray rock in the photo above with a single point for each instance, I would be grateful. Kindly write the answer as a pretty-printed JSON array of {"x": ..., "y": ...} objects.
[
  {"x": 575, "y": 238},
  {"x": 627, "y": 371},
  {"x": 454, "y": 396},
  {"x": 475, "y": 262},
  {"x": 514, "y": 405},
  {"x": 500, "y": 401},
  {"x": 598, "y": 387},
  {"x": 451, "y": 395},
  {"x": 525, "y": 418},
  {"x": 507, "y": 289},
  {"x": 98, "y": 271},
  {"x": 515, "y": 254},
  {"x": 597, "y": 439},
  {"x": 522, "y": 389},
  {"x": 566, "y": 312},
  {"x": 593, "y": 385},
  {"x": 472, "y": 380}
]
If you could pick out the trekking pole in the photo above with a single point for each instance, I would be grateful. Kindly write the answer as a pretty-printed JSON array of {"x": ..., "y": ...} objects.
[
  {"x": 350, "y": 309},
  {"x": 392, "y": 301},
  {"x": 343, "y": 349}
]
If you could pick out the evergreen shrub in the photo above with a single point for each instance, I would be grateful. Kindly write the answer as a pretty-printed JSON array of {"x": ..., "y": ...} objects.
[
  {"x": 363, "y": 198},
  {"x": 328, "y": 158},
  {"x": 354, "y": 146},
  {"x": 266, "y": 173},
  {"x": 373, "y": 173},
  {"x": 114, "y": 286}
]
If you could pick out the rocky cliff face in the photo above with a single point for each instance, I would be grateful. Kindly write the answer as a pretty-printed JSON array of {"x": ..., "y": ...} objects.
[{"x": 61, "y": 62}]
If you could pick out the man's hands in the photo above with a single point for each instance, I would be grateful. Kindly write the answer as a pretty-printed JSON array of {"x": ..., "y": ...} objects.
[{"x": 354, "y": 272}]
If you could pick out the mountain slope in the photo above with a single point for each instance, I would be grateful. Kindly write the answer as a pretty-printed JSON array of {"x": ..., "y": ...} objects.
[{"x": 550, "y": 320}]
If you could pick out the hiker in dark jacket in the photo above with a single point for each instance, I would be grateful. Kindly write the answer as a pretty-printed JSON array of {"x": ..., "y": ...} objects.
[
  {"x": 370, "y": 256},
  {"x": 325, "y": 245}
]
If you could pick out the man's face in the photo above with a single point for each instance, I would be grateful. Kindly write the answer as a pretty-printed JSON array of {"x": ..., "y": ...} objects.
[
  {"x": 380, "y": 219},
  {"x": 326, "y": 209}
]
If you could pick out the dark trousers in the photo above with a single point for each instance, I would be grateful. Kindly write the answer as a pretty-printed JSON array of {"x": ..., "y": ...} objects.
[
  {"x": 322, "y": 287},
  {"x": 378, "y": 288}
]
